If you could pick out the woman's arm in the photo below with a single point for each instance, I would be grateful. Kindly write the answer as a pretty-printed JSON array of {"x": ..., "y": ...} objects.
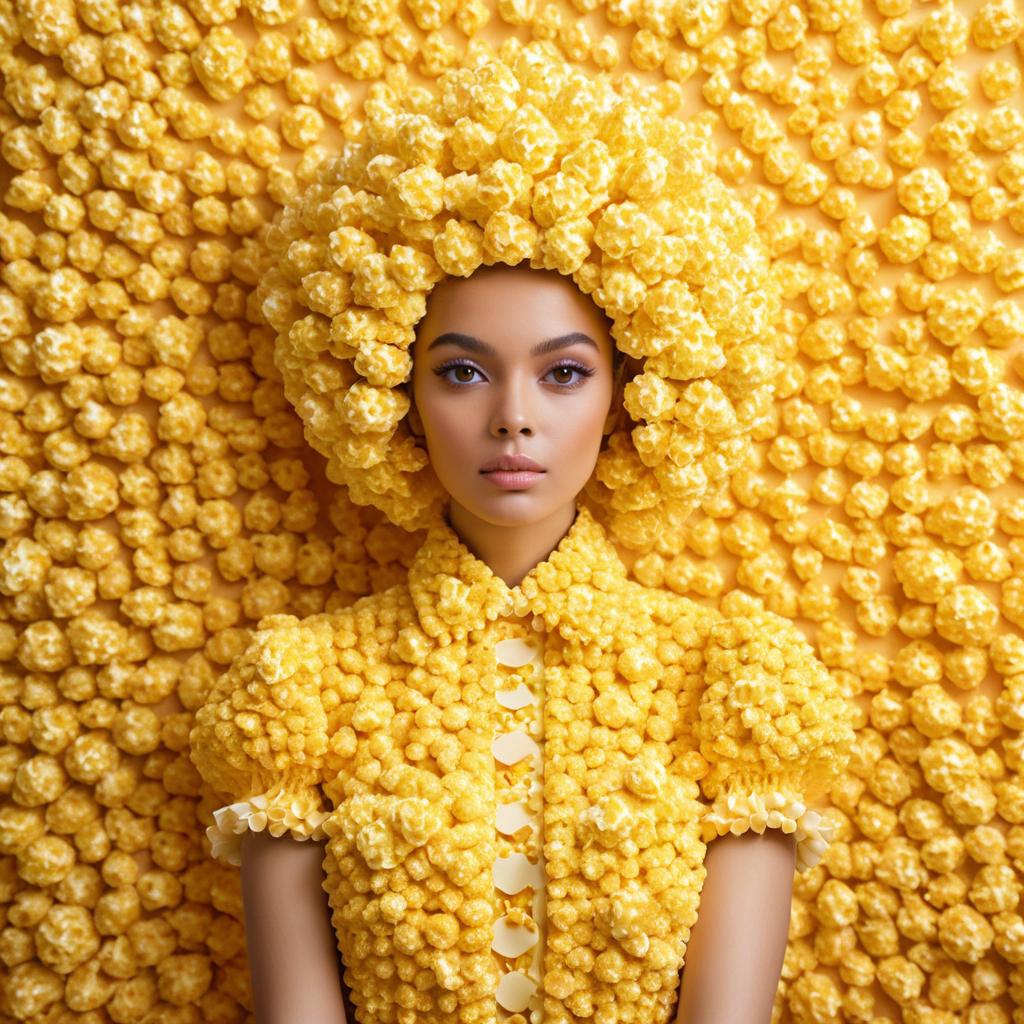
[
  {"x": 734, "y": 957},
  {"x": 292, "y": 948}
]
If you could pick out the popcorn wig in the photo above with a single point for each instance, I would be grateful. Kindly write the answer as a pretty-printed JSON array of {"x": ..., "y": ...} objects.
[{"x": 519, "y": 157}]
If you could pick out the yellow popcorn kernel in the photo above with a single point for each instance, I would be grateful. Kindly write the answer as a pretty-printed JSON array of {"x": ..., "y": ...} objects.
[
  {"x": 934, "y": 712},
  {"x": 904, "y": 238},
  {"x": 943, "y": 461},
  {"x": 219, "y": 62},
  {"x": 964, "y": 934},
  {"x": 1000, "y": 128},
  {"x": 966, "y": 517},
  {"x": 981, "y": 725},
  {"x": 1009, "y": 274},
  {"x": 856, "y": 42},
  {"x": 999, "y": 79},
  {"x": 918, "y": 664},
  {"x": 966, "y": 616},
  {"x": 267, "y": 12},
  {"x": 901, "y": 110},
  {"x": 900, "y": 979},
  {"x": 436, "y": 54},
  {"x": 987, "y": 466},
  {"x": 315, "y": 41},
  {"x": 301, "y": 126},
  {"x": 878, "y": 79},
  {"x": 605, "y": 54},
  {"x": 922, "y": 191},
  {"x": 30, "y": 91},
  {"x": 905, "y": 148},
  {"x": 953, "y": 133},
  {"x": 988, "y": 979},
  {"x": 995, "y": 24},
  {"x": 981, "y": 253},
  {"x": 647, "y": 50},
  {"x": 948, "y": 89},
  {"x": 836, "y": 904},
  {"x": 1010, "y": 930},
  {"x": 215, "y": 13},
  {"x": 259, "y": 102},
  {"x": 417, "y": 192},
  {"x": 363, "y": 60},
  {"x": 270, "y": 57}
]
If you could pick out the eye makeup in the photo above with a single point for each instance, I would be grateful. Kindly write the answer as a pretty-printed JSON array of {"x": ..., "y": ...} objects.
[{"x": 565, "y": 364}]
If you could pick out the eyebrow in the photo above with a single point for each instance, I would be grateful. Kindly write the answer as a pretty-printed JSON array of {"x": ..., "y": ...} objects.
[{"x": 472, "y": 344}]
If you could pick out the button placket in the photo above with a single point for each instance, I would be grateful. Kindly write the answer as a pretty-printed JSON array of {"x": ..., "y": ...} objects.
[{"x": 517, "y": 751}]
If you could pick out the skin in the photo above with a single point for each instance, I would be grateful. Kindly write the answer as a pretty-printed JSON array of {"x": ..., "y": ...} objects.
[
  {"x": 470, "y": 405},
  {"x": 514, "y": 400},
  {"x": 737, "y": 945},
  {"x": 293, "y": 956}
]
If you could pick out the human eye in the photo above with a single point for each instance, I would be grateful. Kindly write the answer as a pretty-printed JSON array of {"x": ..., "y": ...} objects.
[
  {"x": 452, "y": 372},
  {"x": 569, "y": 374}
]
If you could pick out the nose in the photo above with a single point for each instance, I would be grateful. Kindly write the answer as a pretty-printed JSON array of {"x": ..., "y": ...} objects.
[{"x": 512, "y": 414}]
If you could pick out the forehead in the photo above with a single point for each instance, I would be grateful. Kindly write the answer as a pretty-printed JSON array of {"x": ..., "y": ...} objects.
[{"x": 519, "y": 297}]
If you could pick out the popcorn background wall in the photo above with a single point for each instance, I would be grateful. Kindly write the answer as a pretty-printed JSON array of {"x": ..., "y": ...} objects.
[{"x": 157, "y": 496}]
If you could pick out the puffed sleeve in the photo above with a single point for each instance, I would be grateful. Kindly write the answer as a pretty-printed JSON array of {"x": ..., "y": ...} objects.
[
  {"x": 260, "y": 737},
  {"x": 775, "y": 729}
]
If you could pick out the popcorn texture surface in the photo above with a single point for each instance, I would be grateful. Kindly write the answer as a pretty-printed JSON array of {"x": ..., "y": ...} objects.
[{"x": 160, "y": 498}]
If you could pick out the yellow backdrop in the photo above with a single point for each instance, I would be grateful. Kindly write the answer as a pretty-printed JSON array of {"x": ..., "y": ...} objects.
[{"x": 157, "y": 497}]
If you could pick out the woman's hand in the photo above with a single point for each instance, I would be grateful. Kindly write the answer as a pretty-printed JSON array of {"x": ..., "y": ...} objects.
[{"x": 734, "y": 957}]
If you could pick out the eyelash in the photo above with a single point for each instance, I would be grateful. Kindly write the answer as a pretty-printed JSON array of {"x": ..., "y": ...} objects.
[{"x": 583, "y": 371}]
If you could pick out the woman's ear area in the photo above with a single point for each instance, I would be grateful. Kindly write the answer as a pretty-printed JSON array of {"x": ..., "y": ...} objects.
[
  {"x": 615, "y": 408},
  {"x": 413, "y": 415},
  {"x": 611, "y": 421}
]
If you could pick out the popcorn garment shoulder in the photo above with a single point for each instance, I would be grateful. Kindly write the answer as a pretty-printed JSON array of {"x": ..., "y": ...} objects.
[{"x": 517, "y": 784}]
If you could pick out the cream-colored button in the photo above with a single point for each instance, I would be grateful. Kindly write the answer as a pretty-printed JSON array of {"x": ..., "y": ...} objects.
[
  {"x": 514, "y": 873},
  {"x": 514, "y": 653},
  {"x": 512, "y": 940},
  {"x": 510, "y": 818},
  {"x": 515, "y": 990},
  {"x": 512, "y": 747},
  {"x": 517, "y": 698}
]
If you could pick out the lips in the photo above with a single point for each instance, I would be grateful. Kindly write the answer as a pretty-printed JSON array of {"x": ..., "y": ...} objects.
[{"x": 511, "y": 464}]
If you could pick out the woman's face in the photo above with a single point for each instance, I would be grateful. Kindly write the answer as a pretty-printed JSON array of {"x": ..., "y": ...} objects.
[{"x": 512, "y": 362}]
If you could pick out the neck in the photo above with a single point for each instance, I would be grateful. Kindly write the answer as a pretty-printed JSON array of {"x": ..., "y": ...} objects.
[{"x": 511, "y": 551}]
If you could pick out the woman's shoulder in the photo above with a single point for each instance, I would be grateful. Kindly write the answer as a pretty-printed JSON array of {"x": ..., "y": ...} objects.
[
  {"x": 667, "y": 608},
  {"x": 734, "y": 623},
  {"x": 373, "y": 614}
]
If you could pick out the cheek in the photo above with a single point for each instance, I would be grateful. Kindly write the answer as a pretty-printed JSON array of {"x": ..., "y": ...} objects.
[
  {"x": 447, "y": 436},
  {"x": 439, "y": 421},
  {"x": 587, "y": 426}
]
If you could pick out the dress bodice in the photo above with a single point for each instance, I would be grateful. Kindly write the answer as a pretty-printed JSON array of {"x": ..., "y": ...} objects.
[{"x": 662, "y": 725}]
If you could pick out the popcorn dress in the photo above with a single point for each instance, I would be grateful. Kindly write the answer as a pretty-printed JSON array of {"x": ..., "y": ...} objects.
[{"x": 534, "y": 768}]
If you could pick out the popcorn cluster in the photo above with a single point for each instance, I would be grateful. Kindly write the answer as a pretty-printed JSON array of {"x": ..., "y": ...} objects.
[
  {"x": 158, "y": 497},
  {"x": 396, "y": 709},
  {"x": 520, "y": 158}
]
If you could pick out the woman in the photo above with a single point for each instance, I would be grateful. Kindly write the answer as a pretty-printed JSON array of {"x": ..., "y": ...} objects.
[{"x": 517, "y": 755}]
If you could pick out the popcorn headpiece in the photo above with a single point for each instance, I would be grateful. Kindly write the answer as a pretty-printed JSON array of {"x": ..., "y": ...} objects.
[{"x": 519, "y": 156}]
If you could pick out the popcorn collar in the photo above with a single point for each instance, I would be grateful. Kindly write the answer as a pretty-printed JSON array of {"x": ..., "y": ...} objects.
[{"x": 578, "y": 589}]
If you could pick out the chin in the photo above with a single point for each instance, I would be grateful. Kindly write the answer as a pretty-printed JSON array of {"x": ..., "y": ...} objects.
[
  {"x": 516, "y": 508},
  {"x": 512, "y": 509}
]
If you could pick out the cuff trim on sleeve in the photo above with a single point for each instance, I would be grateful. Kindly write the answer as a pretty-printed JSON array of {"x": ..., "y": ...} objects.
[
  {"x": 741, "y": 812},
  {"x": 300, "y": 816}
]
